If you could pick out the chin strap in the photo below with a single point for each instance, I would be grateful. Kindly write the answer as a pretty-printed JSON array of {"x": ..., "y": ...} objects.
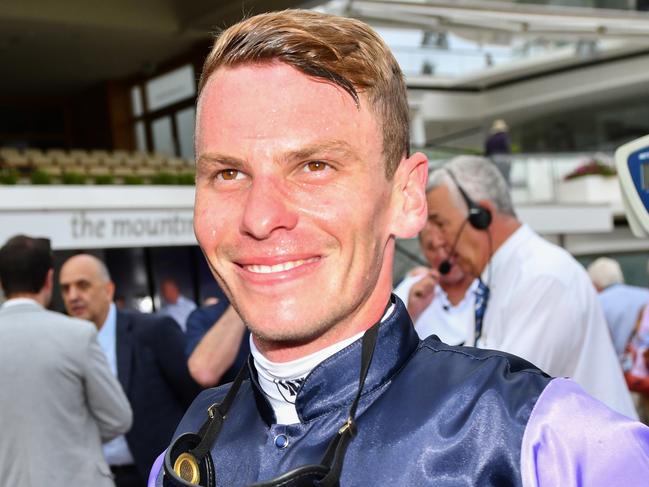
[
  {"x": 187, "y": 466},
  {"x": 335, "y": 454},
  {"x": 217, "y": 413}
]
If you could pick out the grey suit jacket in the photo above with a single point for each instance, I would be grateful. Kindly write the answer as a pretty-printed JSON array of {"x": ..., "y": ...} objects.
[{"x": 58, "y": 401}]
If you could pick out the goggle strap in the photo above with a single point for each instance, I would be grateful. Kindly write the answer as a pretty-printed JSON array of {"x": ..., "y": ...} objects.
[
  {"x": 335, "y": 454},
  {"x": 216, "y": 415}
]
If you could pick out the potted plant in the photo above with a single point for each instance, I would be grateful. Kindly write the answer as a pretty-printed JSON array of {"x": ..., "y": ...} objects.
[
  {"x": 594, "y": 181},
  {"x": 590, "y": 168}
]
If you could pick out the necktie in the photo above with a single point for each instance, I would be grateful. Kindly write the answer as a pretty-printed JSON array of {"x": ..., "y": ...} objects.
[{"x": 481, "y": 300}]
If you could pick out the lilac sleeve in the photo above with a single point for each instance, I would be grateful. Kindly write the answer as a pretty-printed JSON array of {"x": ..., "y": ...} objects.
[
  {"x": 155, "y": 470},
  {"x": 573, "y": 440}
]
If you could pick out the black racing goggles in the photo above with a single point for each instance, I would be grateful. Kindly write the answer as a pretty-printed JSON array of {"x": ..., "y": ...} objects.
[{"x": 188, "y": 462}]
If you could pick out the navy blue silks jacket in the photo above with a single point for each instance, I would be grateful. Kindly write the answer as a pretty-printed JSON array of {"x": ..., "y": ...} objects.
[{"x": 430, "y": 414}]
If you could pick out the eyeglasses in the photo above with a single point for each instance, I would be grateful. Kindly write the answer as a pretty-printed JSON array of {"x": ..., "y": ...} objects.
[{"x": 188, "y": 461}]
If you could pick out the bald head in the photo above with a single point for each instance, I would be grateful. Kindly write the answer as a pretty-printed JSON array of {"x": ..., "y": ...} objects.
[{"x": 86, "y": 288}]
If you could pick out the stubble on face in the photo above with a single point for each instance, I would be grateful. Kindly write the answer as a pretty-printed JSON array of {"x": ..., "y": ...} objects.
[{"x": 292, "y": 177}]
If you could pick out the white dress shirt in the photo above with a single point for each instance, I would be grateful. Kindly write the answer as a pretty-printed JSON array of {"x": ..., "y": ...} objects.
[
  {"x": 116, "y": 451},
  {"x": 544, "y": 308},
  {"x": 452, "y": 324}
]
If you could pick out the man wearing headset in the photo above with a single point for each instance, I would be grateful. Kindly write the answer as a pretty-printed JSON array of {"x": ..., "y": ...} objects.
[
  {"x": 439, "y": 304},
  {"x": 304, "y": 180},
  {"x": 540, "y": 303}
]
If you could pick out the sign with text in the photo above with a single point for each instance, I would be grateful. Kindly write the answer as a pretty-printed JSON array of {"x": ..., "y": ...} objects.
[{"x": 102, "y": 229}]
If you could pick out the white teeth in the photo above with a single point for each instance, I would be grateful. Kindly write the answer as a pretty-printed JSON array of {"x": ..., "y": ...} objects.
[{"x": 284, "y": 266}]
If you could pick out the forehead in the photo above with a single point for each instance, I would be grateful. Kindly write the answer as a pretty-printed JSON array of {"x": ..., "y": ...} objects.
[
  {"x": 249, "y": 105},
  {"x": 79, "y": 269},
  {"x": 438, "y": 197}
]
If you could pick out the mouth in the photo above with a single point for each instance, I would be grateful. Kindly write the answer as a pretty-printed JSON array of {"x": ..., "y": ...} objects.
[
  {"x": 76, "y": 310},
  {"x": 281, "y": 267}
]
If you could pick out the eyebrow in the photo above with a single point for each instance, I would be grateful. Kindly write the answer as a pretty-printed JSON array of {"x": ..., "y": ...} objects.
[
  {"x": 222, "y": 159},
  {"x": 75, "y": 282},
  {"x": 338, "y": 147}
]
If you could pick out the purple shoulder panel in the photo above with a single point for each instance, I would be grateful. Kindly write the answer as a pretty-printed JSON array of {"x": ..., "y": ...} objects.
[
  {"x": 574, "y": 440},
  {"x": 156, "y": 469}
]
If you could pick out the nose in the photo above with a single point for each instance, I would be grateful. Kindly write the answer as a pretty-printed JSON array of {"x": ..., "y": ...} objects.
[
  {"x": 433, "y": 237},
  {"x": 437, "y": 238},
  {"x": 268, "y": 208},
  {"x": 71, "y": 293}
]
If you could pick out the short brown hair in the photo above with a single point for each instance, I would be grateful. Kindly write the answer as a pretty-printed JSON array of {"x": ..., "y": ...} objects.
[
  {"x": 343, "y": 51},
  {"x": 24, "y": 264}
]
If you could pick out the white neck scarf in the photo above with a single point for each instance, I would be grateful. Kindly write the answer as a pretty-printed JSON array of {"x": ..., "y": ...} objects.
[{"x": 281, "y": 381}]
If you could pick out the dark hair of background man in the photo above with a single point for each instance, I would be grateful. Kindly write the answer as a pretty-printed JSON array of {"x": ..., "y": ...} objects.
[{"x": 24, "y": 263}]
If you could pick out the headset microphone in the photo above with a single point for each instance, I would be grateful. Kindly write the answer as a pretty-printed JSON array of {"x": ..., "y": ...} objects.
[
  {"x": 446, "y": 265},
  {"x": 479, "y": 217}
]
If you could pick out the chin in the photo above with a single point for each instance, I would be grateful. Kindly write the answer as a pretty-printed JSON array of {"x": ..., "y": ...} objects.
[{"x": 288, "y": 325}]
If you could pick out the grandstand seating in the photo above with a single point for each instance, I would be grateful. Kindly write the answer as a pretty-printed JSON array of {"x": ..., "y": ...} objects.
[{"x": 78, "y": 166}]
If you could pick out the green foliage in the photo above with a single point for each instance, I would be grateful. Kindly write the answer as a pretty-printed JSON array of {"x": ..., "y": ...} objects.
[
  {"x": 104, "y": 179},
  {"x": 73, "y": 177},
  {"x": 164, "y": 177},
  {"x": 186, "y": 179},
  {"x": 40, "y": 177},
  {"x": 8, "y": 176},
  {"x": 133, "y": 180}
]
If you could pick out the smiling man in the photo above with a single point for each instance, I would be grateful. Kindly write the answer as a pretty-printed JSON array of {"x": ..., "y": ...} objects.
[
  {"x": 304, "y": 181},
  {"x": 439, "y": 303}
]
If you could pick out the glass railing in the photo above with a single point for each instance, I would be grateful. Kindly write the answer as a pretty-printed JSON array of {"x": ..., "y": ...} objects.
[
  {"x": 554, "y": 178},
  {"x": 535, "y": 180}
]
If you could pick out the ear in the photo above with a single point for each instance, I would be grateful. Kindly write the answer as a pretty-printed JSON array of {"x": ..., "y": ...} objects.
[
  {"x": 488, "y": 205},
  {"x": 48, "y": 285},
  {"x": 110, "y": 290},
  {"x": 409, "y": 198}
]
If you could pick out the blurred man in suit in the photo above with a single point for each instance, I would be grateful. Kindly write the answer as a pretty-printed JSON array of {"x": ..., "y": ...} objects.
[
  {"x": 146, "y": 353},
  {"x": 175, "y": 304},
  {"x": 58, "y": 399}
]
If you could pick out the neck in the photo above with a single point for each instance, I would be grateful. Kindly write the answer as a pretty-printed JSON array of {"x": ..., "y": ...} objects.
[
  {"x": 455, "y": 292},
  {"x": 362, "y": 315},
  {"x": 502, "y": 227},
  {"x": 39, "y": 297},
  {"x": 359, "y": 321},
  {"x": 102, "y": 319}
]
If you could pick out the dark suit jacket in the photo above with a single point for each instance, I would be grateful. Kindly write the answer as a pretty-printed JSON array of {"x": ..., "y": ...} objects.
[{"x": 152, "y": 368}]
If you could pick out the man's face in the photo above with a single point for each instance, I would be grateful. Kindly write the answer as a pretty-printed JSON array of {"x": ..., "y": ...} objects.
[
  {"x": 170, "y": 292},
  {"x": 86, "y": 293},
  {"x": 435, "y": 249},
  {"x": 293, "y": 207},
  {"x": 472, "y": 249}
]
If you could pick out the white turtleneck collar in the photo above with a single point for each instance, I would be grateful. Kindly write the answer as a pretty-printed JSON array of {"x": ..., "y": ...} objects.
[{"x": 280, "y": 381}]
